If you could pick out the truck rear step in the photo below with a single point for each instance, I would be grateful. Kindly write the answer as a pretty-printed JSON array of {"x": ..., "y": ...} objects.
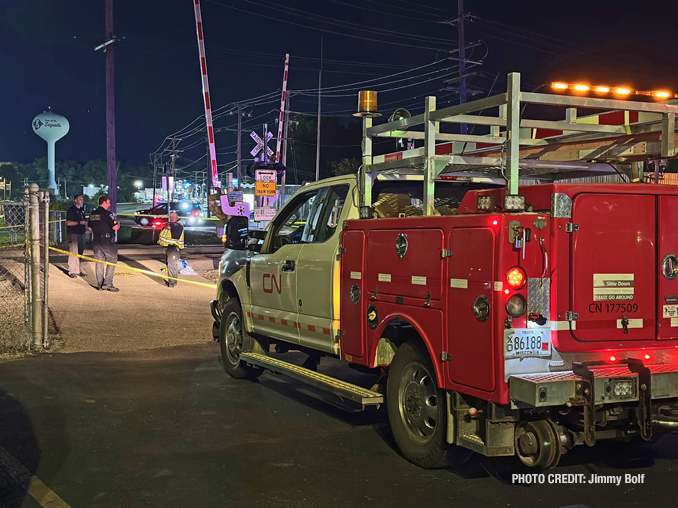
[
  {"x": 557, "y": 388},
  {"x": 343, "y": 389}
]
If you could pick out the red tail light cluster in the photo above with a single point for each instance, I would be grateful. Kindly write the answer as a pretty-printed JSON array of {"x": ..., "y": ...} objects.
[
  {"x": 516, "y": 277},
  {"x": 516, "y": 305}
]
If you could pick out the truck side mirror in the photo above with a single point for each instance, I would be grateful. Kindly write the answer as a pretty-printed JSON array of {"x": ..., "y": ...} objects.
[{"x": 236, "y": 233}]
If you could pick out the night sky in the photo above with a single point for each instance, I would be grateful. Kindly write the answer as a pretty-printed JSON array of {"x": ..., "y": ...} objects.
[{"x": 47, "y": 58}]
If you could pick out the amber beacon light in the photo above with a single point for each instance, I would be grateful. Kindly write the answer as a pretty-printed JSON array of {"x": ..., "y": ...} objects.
[{"x": 367, "y": 103}]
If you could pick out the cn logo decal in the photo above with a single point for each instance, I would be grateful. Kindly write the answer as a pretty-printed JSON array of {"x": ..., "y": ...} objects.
[{"x": 272, "y": 282}]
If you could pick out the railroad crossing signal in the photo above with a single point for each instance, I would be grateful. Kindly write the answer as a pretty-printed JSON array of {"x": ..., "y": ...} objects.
[{"x": 260, "y": 144}]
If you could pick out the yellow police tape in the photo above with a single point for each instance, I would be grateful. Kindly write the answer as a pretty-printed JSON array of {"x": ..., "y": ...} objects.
[
  {"x": 12, "y": 246},
  {"x": 147, "y": 272}
]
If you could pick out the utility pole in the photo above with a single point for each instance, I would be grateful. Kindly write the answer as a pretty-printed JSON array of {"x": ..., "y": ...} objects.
[
  {"x": 463, "y": 46},
  {"x": 284, "y": 150},
  {"x": 462, "y": 59},
  {"x": 320, "y": 80},
  {"x": 239, "y": 147},
  {"x": 110, "y": 110}
]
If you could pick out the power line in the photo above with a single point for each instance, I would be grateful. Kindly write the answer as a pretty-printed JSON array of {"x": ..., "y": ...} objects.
[
  {"x": 280, "y": 20},
  {"x": 347, "y": 24}
]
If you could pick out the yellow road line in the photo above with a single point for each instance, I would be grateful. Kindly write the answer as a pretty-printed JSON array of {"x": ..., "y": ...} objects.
[
  {"x": 36, "y": 488},
  {"x": 147, "y": 272},
  {"x": 44, "y": 495}
]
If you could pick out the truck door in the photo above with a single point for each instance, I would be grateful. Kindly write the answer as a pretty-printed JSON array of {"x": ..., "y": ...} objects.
[
  {"x": 470, "y": 342},
  {"x": 318, "y": 278},
  {"x": 667, "y": 263},
  {"x": 613, "y": 256},
  {"x": 273, "y": 272}
]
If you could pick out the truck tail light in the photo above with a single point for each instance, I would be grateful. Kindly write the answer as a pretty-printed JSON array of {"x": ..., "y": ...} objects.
[
  {"x": 516, "y": 277},
  {"x": 516, "y": 306}
]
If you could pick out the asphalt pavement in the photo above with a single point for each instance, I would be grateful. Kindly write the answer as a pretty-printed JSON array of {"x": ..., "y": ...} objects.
[{"x": 168, "y": 428}]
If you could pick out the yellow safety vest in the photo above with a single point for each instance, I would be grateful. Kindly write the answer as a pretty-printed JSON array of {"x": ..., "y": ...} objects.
[{"x": 166, "y": 239}]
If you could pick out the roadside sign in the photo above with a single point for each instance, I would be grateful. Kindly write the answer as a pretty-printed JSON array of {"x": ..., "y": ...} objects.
[
  {"x": 235, "y": 196},
  {"x": 265, "y": 214},
  {"x": 265, "y": 189},
  {"x": 240, "y": 208},
  {"x": 266, "y": 175}
]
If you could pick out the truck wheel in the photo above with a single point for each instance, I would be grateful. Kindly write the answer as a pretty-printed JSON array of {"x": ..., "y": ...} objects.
[
  {"x": 416, "y": 408},
  {"x": 231, "y": 338}
]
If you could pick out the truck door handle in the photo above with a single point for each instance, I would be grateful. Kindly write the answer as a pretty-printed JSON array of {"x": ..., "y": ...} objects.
[{"x": 288, "y": 266}]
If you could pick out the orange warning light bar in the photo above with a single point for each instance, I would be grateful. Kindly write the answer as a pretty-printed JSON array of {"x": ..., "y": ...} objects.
[{"x": 617, "y": 90}]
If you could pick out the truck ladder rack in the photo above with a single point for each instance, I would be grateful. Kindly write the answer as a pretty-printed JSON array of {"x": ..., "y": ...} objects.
[
  {"x": 586, "y": 145},
  {"x": 338, "y": 387}
]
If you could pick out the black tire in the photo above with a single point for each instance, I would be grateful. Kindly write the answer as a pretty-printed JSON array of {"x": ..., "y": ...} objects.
[
  {"x": 231, "y": 337},
  {"x": 143, "y": 221},
  {"x": 417, "y": 408}
]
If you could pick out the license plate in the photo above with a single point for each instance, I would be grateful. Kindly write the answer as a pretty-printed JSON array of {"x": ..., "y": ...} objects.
[{"x": 524, "y": 342}]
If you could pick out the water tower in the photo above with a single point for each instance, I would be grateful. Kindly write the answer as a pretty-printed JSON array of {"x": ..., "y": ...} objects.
[{"x": 51, "y": 127}]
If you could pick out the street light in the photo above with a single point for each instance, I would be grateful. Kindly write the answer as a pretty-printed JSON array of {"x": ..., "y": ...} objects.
[{"x": 138, "y": 184}]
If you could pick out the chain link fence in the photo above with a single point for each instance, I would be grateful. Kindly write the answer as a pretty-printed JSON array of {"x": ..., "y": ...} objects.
[{"x": 15, "y": 316}]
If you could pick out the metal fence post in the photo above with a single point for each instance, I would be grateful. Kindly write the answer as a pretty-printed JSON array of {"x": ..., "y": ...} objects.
[
  {"x": 27, "y": 265},
  {"x": 34, "y": 252},
  {"x": 45, "y": 269}
]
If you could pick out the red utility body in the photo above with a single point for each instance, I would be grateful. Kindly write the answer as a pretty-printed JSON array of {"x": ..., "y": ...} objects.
[{"x": 606, "y": 270}]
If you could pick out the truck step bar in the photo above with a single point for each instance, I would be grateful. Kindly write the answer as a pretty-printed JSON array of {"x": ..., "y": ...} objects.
[{"x": 340, "y": 388}]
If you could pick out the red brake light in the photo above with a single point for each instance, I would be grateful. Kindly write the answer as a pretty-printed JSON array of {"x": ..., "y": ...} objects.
[
  {"x": 613, "y": 359},
  {"x": 196, "y": 213},
  {"x": 516, "y": 277}
]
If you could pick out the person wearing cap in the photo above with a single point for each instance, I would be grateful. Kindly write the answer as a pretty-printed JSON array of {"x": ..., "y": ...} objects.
[
  {"x": 103, "y": 225},
  {"x": 172, "y": 237},
  {"x": 77, "y": 228}
]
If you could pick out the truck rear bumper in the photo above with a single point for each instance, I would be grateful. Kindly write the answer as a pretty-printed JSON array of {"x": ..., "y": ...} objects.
[{"x": 611, "y": 384}]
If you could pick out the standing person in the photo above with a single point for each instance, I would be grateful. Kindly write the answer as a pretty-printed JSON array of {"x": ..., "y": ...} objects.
[
  {"x": 103, "y": 225},
  {"x": 172, "y": 237},
  {"x": 77, "y": 228}
]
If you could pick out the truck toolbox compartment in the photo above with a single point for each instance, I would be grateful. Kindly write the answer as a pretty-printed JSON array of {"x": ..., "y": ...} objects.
[
  {"x": 558, "y": 388},
  {"x": 420, "y": 270}
]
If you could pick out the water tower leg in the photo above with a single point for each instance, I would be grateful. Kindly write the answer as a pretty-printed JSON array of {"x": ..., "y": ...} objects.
[{"x": 51, "y": 185}]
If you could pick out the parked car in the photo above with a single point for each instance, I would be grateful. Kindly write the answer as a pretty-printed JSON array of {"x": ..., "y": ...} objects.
[{"x": 157, "y": 215}]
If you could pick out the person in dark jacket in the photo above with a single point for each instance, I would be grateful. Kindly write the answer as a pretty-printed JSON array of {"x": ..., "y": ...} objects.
[
  {"x": 174, "y": 244},
  {"x": 77, "y": 229},
  {"x": 103, "y": 225}
]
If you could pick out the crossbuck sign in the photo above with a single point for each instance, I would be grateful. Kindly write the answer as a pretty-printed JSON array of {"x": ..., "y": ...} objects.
[{"x": 260, "y": 144}]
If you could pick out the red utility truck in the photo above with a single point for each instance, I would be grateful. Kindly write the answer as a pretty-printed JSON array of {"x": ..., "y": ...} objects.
[{"x": 521, "y": 318}]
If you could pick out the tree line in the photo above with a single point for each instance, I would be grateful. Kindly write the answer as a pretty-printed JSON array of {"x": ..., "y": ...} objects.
[
  {"x": 340, "y": 154},
  {"x": 72, "y": 176}
]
